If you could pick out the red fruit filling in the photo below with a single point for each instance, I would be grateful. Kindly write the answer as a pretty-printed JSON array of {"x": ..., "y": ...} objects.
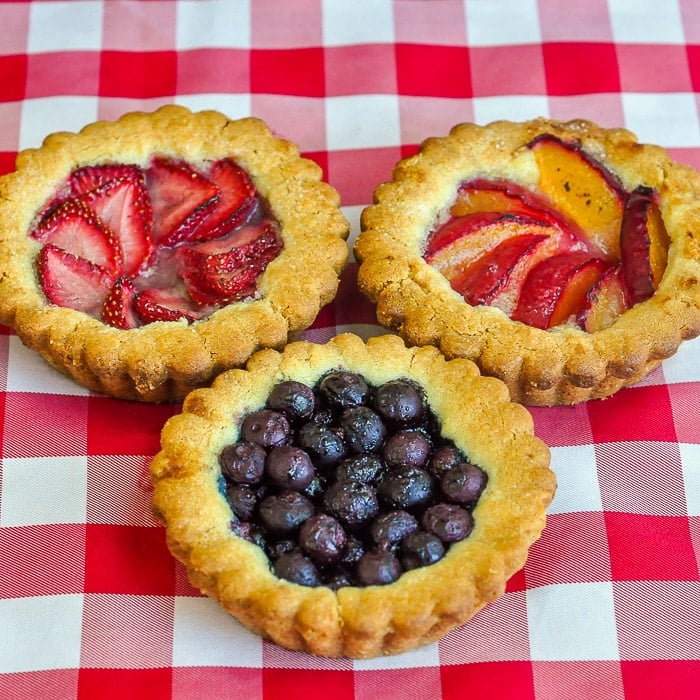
[
  {"x": 580, "y": 250},
  {"x": 169, "y": 241}
]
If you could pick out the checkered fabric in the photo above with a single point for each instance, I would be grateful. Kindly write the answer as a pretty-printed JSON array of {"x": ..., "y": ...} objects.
[{"x": 91, "y": 603}]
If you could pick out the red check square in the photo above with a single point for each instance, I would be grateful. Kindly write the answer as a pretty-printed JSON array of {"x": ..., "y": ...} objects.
[
  {"x": 650, "y": 548},
  {"x": 619, "y": 419},
  {"x": 661, "y": 69},
  {"x": 119, "y": 683},
  {"x": 213, "y": 71},
  {"x": 125, "y": 427},
  {"x": 64, "y": 73},
  {"x": 13, "y": 70},
  {"x": 138, "y": 75},
  {"x": 128, "y": 560},
  {"x": 7, "y": 161},
  {"x": 287, "y": 72},
  {"x": 661, "y": 678},
  {"x": 308, "y": 683},
  {"x": 438, "y": 71},
  {"x": 360, "y": 69},
  {"x": 580, "y": 68},
  {"x": 507, "y": 70},
  {"x": 487, "y": 680}
]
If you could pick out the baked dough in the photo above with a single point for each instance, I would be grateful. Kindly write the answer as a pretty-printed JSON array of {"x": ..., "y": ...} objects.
[
  {"x": 360, "y": 622},
  {"x": 563, "y": 365},
  {"x": 163, "y": 361}
]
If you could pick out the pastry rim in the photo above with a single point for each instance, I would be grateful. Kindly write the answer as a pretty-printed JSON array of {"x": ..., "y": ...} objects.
[
  {"x": 376, "y": 620},
  {"x": 164, "y": 360},
  {"x": 565, "y": 365}
]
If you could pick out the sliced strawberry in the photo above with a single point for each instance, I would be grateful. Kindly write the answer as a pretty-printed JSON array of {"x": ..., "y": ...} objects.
[
  {"x": 181, "y": 199},
  {"x": 224, "y": 255},
  {"x": 118, "y": 307},
  {"x": 165, "y": 305},
  {"x": 124, "y": 206},
  {"x": 73, "y": 227},
  {"x": 207, "y": 290},
  {"x": 236, "y": 199},
  {"x": 73, "y": 282},
  {"x": 92, "y": 177}
]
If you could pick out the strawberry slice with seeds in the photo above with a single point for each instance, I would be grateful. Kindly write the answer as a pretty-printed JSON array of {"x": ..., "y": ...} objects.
[
  {"x": 124, "y": 206},
  {"x": 181, "y": 199},
  {"x": 207, "y": 290},
  {"x": 71, "y": 281},
  {"x": 76, "y": 229},
  {"x": 92, "y": 177},
  {"x": 236, "y": 200},
  {"x": 165, "y": 305},
  {"x": 118, "y": 307}
]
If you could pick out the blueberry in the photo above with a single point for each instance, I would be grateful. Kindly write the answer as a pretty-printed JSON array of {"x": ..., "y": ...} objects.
[
  {"x": 367, "y": 468},
  {"x": 338, "y": 579},
  {"x": 265, "y": 427},
  {"x": 354, "y": 549},
  {"x": 341, "y": 389},
  {"x": 399, "y": 402},
  {"x": 406, "y": 488},
  {"x": 378, "y": 568},
  {"x": 242, "y": 499},
  {"x": 283, "y": 514},
  {"x": 324, "y": 445},
  {"x": 443, "y": 459},
  {"x": 463, "y": 483},
  {"x": 388, "y": 529},
  {"x": 279, "y": 547},
  {"x": 406, "y": 448},
  {"x": 421, "y": 548},
  {"x": 289, "y": 467},
  {"x": 448, "y": 521},
  {"x": 294, "y": 399},
  {"x": 322, "y": 538},
  {"x": 243, "y": 462},
  {"x": 352, "y": 502},
  {"x": 363, "y": 429},
  {"x": 297, "y": 568}
]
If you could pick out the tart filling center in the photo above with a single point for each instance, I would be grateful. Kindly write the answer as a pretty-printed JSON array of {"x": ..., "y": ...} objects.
[
  {"x": 348, "y": 484},
  {"x": 130, "y": 245},
  {"x": 580, "y": 250}
]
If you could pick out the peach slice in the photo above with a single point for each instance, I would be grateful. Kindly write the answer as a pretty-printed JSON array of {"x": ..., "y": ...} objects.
[
  {"x": 605, "y": 301},
  {"x": 643, "y": 245},
  {"x": 486, "y": 277},
  {"x": 555, "y": 290},
  {"x": 494, "y": 196},
  {"x": 582, "y": 190}
]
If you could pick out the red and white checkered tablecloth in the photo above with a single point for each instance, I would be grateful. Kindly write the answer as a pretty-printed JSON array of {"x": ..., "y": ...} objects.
[{"x": 92, "y": 606}]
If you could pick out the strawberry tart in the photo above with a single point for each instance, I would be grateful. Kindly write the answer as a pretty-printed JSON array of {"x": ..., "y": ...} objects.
[
  {"x": 144, "y": 256},
  {"x": 562, "y": 257}
]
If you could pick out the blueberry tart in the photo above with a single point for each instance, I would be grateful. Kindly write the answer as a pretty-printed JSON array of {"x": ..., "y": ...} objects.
[
  {"x": 352, "y": 499},
  {"x": 563, "y": 258},
  {"x": 143, "y": 256}
]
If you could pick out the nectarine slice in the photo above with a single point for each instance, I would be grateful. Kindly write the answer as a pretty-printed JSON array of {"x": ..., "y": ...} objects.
[
  {"x": 484, "y": 278},
  {"x": 582, "y": 190},
  {"x": 643, "y": 245},
  {"x": 495, "y": 196},
  {"x": 555, "y": 290},
  {"x": 605, "y": 301}
]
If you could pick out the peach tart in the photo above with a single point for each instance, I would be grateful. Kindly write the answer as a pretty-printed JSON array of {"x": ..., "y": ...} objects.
[
  {"x": 143, "y": 256},
  {"x": 563, "y": 258}
]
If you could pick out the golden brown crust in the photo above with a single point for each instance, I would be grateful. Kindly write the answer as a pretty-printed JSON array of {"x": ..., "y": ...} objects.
[
  {"x": 164, "y": 361},
  {"x": 564, "y": 365},
  {"x": 423, "y": 604}
]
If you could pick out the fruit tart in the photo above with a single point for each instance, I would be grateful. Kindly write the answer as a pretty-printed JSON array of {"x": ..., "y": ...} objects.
[
  {"x": 561, "y": 257},
  {"x": 352, "y": 499},
  {"x": 144, "y": 256}
]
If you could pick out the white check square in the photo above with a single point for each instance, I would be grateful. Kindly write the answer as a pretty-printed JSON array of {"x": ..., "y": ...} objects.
[
  {"x": 512, "y": 107},
  {"x": 43, "y": 491},
  {"x": 378, "y": 128},
  {"x": 45, "y": 115},
  {"x": 485, "y": 25},
  {"x": 357, "y": 22},
  {"x": 578, "y": 489},
  {"x": 669, "y": 120},
  {"x": 59, "y": 26},
  {"x": 640, "y": 22},
  {"x": 572, "y": 622},
  {"x": 684, "y": 366},
  {"x": 40, "y": 633},
  {"x": 690, "y": 460},
  {"x": 213, "y": 23},
  {"x": 205, "y": 635},
  {"x": 234, "y": 106}
]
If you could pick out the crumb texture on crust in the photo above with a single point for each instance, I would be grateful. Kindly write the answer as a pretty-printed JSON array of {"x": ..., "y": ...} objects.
[
  {"x": 163, "y": 361},
  {"x": 423, "y": 604},
  {"x": 564, "y": 365}
]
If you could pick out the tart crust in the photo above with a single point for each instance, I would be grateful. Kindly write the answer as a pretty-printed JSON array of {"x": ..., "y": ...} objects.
[
  {"x": 163, "y": 361},
  {"x": 423, "y": 604},
  {"x": 563, "y": 365}
]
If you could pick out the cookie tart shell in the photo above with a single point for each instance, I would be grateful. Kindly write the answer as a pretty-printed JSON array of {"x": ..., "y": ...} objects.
[
  {"x": 563, "y": 365},
  {"x": 359, "y": 622},
  {"x": 163, "y": 361}
]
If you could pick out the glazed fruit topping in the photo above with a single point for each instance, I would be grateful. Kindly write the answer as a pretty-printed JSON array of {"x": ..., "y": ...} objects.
[
  {"x": 580, "y": 250},
  {"x": 347, "y": 484},
  {"x": 169, "y": 241}
]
